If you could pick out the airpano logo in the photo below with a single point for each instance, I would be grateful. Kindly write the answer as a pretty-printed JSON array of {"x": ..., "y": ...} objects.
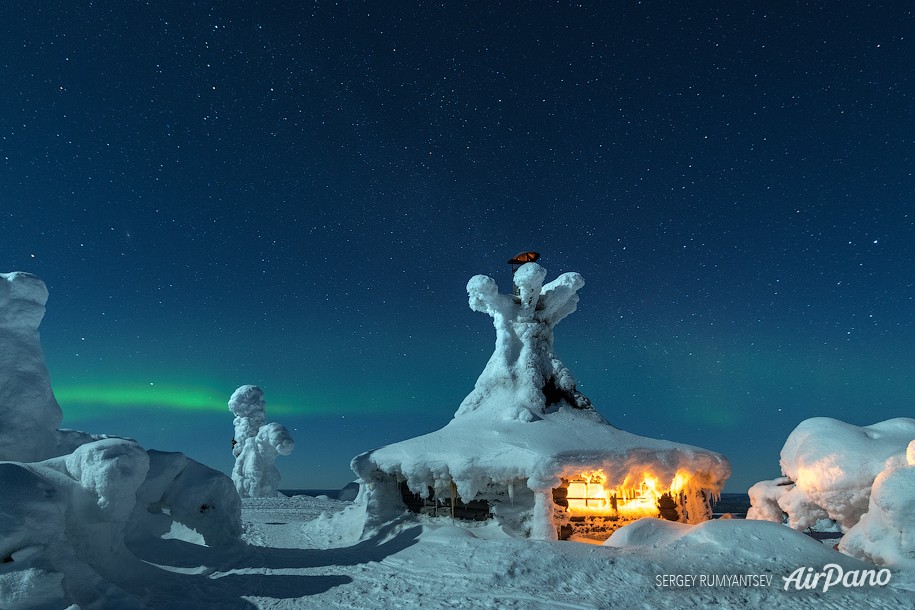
[{"x": 832, "y": 575}]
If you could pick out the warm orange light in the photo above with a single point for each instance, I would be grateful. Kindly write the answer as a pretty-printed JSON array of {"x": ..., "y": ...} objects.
[
  {"x": 679, "y": 482},
  {"x": 586, "y": 493},
  {"x": 637, "y": 497}
]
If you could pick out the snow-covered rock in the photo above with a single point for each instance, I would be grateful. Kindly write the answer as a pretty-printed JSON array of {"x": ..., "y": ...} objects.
[
  {"x": 256, "y": 444},
  {"x": 525, "y": 430}
]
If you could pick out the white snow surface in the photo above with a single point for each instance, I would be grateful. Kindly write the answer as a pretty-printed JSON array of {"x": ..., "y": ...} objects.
[
  {"x": 304, "y": 553},
  {"x": 885, "y": 534},
  {"x": 298, "y": 559}
]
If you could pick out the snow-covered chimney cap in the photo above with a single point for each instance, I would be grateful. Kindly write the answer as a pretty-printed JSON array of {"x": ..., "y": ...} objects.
[{"x": 523, "y": 257}]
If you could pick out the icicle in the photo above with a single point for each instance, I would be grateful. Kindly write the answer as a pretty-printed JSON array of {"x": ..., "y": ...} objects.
[
  {"x": 511, "y": 491},
  {"x": 453, "y": 494}
]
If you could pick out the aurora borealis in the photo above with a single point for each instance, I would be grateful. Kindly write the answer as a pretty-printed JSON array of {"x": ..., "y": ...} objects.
[{"x": 223, "y": 193}]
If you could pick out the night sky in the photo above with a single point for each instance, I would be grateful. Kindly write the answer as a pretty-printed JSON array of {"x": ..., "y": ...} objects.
[{"x": 294, "y": 195}]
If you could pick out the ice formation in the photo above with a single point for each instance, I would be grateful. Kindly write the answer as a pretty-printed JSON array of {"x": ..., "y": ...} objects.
[
  {"x": 256, "y": 444},
  {"x": 72, "y": 503},
  {"x": 525, "y": 432},
  {"x": 860, "y": 478}
]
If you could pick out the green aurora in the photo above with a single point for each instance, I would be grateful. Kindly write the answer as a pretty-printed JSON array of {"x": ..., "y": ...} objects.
[{"x": 94, "y": 400}]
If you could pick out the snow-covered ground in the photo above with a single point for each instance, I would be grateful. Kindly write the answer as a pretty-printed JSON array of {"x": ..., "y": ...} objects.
[{"x": 297, "y": 556}]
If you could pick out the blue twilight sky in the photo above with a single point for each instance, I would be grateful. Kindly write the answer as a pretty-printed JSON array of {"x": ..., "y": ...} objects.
[{"x": 294, "y": 195}]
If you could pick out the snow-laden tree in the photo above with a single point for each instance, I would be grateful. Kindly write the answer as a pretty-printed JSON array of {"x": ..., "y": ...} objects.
[{"x": 256, "y": 444}]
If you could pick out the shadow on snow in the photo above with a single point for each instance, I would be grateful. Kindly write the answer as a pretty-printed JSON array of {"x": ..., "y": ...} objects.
[{"x": 178, "y": 574}]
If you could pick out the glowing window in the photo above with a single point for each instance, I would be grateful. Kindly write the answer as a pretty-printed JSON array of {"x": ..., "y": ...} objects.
[{"x": 582, "y": 495}]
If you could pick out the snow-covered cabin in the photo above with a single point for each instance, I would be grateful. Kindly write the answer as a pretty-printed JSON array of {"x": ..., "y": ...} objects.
[{"x": 527, "y": 449}]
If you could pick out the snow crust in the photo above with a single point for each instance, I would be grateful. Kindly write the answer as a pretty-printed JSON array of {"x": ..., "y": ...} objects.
[
  {"x": 257, "y": 444},
  {"x": 299, "y": 557},
  {"x": 525, "y": 425}
]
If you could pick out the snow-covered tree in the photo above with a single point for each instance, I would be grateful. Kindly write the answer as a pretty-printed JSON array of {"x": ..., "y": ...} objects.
[
  {"x": 28, "y": 410},
  {"x": 256, "y": 444}
]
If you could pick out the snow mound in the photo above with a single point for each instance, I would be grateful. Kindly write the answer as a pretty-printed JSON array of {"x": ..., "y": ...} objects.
[
  {"x": 730, "y": 545},
  {"x": 648, "y": 532},
  {"x": 860, "y": 480}
]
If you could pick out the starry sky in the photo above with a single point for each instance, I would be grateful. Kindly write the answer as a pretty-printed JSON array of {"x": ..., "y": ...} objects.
[{"x": 294, "y": 195}]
